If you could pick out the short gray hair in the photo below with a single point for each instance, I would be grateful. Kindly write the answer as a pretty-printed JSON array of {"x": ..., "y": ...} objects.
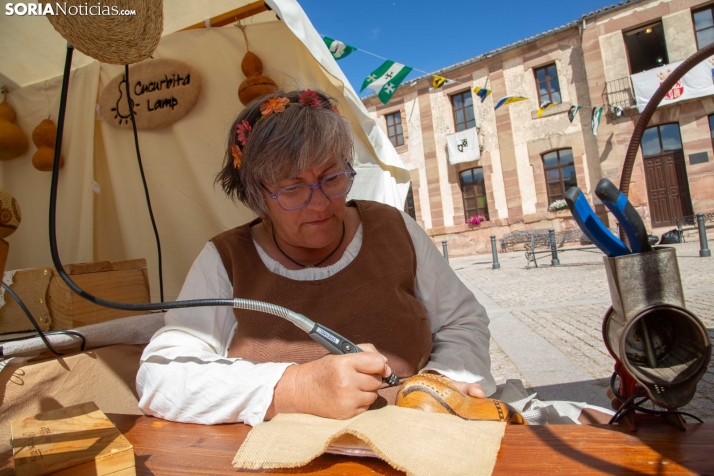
[{"x": 283, "y": 145}]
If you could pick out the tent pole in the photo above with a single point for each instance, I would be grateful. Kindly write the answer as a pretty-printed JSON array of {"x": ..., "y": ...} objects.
[{"x": 232, "y": 16}]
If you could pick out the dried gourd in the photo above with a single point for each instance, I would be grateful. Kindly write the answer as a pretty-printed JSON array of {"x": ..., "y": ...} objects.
[
  {"x": 255, "y": 84},
  {"x": 10, "y": 216},
  {"x": 13, "y": 142},
  {"x": 44, "y": 137}
]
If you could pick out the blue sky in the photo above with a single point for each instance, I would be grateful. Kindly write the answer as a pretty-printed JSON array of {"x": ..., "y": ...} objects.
[{"x": 430, "y": 35}]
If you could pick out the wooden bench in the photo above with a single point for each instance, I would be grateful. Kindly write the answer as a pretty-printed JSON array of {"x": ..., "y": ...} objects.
[{"x": 689, "y": 223}]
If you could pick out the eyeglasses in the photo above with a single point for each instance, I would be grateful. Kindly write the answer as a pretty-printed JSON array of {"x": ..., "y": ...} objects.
[{"x": 295, "y": 197}]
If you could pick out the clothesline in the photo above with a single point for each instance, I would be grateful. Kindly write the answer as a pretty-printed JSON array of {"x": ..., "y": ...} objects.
[{"x": 387, "y": 59}]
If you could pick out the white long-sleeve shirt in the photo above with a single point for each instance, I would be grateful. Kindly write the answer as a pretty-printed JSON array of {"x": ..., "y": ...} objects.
[{"x": 186, "y": 376}]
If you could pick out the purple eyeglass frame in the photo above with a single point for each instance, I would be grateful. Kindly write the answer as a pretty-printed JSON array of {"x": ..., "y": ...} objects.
[{"x": 313, "y": 187}]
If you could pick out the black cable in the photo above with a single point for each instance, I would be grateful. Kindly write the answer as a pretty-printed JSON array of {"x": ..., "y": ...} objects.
[
  {"x": 627, "y": 405},
  {"x": 53, "y": 224},
  {"x": 29, "y": 316},
  {"x": 143, "y": 179},
  {"x": 614, "y": 391},
  {"x": 666, "y": 412}
]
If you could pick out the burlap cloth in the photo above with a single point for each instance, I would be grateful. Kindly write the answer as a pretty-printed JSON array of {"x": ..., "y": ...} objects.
[{"x": 419, "y": 443}]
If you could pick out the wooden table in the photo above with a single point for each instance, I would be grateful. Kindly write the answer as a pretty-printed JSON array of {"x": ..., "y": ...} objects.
[{"x": 163, "y": 447}]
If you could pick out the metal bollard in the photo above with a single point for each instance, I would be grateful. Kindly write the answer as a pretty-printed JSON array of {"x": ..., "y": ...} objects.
[
  {"x": 494, "y": 253},
  {"x": 704, "y": 251},
  {"x": 553, "y": 248},
  {"x": 446, "y": 251}
]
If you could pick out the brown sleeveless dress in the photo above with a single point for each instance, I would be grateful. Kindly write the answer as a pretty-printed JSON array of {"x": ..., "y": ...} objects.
[{"x": 369, "y": 301}]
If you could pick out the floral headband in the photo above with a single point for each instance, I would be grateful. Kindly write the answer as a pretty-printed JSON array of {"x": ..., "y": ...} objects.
[{"x": 270, "y": 106}]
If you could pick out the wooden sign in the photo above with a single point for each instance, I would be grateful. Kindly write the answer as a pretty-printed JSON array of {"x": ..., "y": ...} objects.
[
  {"x": 78, "y": 440},
  {"x": 162, "y": 90}
]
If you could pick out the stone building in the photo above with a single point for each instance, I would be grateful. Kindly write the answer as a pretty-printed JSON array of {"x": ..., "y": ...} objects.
[{"x": 527, "y": 161}]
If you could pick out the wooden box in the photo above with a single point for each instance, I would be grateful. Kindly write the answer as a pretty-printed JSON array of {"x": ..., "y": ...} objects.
[
  {"x": 78, "y": 440},
  {"x": 122, "y": 281},
  {"x": 30, "y": 285},
  {"x": 56, "y": 307}
]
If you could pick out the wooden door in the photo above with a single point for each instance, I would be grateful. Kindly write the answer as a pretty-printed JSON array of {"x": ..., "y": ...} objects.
[{"x": 667, "y": 188}]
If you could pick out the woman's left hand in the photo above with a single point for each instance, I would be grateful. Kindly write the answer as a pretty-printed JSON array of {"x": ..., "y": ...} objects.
[{"x": 470, "y": 389}]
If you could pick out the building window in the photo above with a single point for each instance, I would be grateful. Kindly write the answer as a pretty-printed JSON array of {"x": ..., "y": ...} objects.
[
  {"x": 547, "y": 83},
  {"x": 394, "y": 128},
  {"x": 711, "y": 128},
  {"x": 463, "y": 104},
  {"x": 559, "y": 168},
  {"x": 704, "y": 26},
  {"x": 409, "y": 204},
  {"x": 473, "y": 190},
  {"x": 646, "y": 47},
  {"x": 663, "y": 138}
]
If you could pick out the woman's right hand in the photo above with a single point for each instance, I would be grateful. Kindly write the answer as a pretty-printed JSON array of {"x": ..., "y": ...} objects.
[{"x": 335, "y": 386}]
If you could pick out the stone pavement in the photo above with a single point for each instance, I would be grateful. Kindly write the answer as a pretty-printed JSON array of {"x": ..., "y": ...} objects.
[{"x": 546, "y": 322}]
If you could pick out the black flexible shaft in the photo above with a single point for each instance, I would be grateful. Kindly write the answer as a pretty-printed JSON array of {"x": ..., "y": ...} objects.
[
  {"x": 143, "y": 179},
  {"x": 30, "y": 317},
  {"x": 53, "y": 223}
]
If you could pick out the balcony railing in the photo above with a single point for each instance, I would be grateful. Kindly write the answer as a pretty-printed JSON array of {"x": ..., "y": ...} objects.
[{"x": 619, "y": 93}]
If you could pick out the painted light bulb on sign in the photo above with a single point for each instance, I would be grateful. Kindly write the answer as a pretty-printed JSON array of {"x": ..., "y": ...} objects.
[{"x": 162, "y": 92}]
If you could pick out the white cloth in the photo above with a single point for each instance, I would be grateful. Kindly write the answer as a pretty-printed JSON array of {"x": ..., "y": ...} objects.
[
  {"x": 186, "y": 375},
  {"x": 463, "y": 146},
  {"x": 538, "y": 412}
]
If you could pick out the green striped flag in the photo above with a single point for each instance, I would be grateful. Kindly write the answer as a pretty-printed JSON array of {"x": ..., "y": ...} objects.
[
  {"x": 386, "y": 79},
  {"x": 338, "y": 49}
]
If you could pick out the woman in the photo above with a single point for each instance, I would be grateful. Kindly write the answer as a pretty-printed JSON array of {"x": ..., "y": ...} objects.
[{"x": 363, "y": 269}]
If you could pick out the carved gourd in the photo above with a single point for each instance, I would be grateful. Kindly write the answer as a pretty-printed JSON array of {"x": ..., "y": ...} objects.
[
  {"x": 10, "y": 216},
  {"x": 255, "y": 84},
  {"x": 44, "y": 137},
  {"x": 13, "y": 142},
  {"x": 437, "y": 394}
]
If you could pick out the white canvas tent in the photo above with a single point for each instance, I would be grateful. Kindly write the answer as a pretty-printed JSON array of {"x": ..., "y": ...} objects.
[{"x": 102, "y": 214}]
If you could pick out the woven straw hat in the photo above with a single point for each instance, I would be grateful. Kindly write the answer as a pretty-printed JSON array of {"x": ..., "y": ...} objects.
[{"x": 113, "y": 38}]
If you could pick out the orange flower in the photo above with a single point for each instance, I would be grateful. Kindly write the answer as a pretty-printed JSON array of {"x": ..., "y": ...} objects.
[
  {"x": 237, "y": 156},
  {"x": 273, "y": 105}
]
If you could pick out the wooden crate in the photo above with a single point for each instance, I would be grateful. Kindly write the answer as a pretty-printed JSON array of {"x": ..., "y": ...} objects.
[
  {"x": 122, "y": 281},
  {"x": 78, "y": 440},
  {"x": 30, "y": 285}
]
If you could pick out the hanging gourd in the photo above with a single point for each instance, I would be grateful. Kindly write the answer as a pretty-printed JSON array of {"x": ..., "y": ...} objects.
[
  {"x": 255, "y": 84},
  {"x": 44, "y": 137},
  {"x": 13, "y": 142}
]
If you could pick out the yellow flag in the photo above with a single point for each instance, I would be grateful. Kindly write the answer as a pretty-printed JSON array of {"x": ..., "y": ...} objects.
[
  {"x": 483, "y": 93},
  {"x": 545, "y": 106},
  {"x": 438, "y": 82}
]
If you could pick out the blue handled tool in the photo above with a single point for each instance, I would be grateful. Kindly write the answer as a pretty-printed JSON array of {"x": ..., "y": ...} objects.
[
  {"x": 629, "y": 219},
  {"x": 592, "y": 226}
]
